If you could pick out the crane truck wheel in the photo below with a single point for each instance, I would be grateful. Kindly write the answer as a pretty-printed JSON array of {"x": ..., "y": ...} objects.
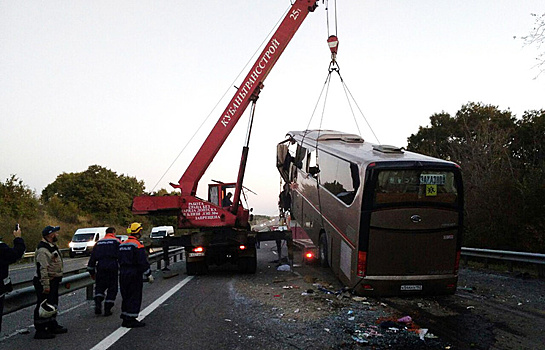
[
  {"x": 248, "y": 264},
  {"x": 196, "y": 268}
]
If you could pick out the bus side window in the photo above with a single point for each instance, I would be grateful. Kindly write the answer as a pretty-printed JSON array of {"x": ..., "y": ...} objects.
[
  {"x": 312, "y": 167},
  {"x": 340, "y": 177},
  {"x": 355, "y": 173},
  {"x": 314, "y": 170},
  {"x": 300, "y": 157}
]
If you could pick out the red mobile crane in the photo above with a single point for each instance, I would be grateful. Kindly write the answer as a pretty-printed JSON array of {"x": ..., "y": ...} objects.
[{"x": 224, "y": 232}]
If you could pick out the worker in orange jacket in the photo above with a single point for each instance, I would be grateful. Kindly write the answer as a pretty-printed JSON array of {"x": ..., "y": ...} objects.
[{"x": 133, "y": 268}]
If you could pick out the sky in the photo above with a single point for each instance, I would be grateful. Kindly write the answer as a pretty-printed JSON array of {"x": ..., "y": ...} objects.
[{"x": 127, "y": 84}]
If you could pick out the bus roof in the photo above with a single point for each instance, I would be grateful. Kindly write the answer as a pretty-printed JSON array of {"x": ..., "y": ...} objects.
[{"x": 353, "y": 148}]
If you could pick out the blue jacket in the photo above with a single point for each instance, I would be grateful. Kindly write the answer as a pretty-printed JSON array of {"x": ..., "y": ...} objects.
[
  {"x": 133, "y": 258},
  {"x": 105, "y": 254},
  {"x": 9, "y": 256}
]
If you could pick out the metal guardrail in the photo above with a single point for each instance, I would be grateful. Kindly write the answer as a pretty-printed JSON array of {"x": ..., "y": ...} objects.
[
  {"x": 30, "y": 255},
  {"x": 506, "y": 256},
  {"x": 23, "y": 294}
]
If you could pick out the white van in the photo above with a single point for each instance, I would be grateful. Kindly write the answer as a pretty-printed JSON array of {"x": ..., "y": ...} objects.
[
  {"x": 160, "y": 232},
  {"x": 85, "y": 239}
]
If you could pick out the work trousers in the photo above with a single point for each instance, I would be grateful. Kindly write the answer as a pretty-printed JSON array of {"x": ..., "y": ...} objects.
[
  {"x": 42, "y": 324},
  {"x": 106, "y": 285},
  {"x": 131, "y": 285},
  {"x": 1, "y": 311}
]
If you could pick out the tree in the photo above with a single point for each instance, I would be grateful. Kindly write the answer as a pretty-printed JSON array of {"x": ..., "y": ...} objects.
[
  {"x": 19, "y": 204},
  {"x": 98, "y": 192},
  {"x": 529, "y": 152},
  {"x": 537, "y": 38},
  {"x": 17, "y": 200},
  {"x": 480, "y": 139}
]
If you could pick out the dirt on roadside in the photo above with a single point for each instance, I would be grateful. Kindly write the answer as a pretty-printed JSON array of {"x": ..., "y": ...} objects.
[{"x": 310, "y": 309}]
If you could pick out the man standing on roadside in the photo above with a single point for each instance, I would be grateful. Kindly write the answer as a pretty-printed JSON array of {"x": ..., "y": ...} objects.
[
  {"x": 49, "y": 267},
  {"x": 9, "y": 256},
  {"x": 104, "y": 268},
  {"x": 133, "y": 267}
]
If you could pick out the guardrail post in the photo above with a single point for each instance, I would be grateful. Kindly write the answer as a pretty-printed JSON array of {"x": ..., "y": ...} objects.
[
  {"x": 166, "y": 258},
  {"x": 89, "y": 292},
  {"x": 541, "y": 271}
]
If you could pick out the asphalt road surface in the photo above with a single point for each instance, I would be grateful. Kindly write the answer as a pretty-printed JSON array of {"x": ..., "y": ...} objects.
[{"x": 301, "y": 309}]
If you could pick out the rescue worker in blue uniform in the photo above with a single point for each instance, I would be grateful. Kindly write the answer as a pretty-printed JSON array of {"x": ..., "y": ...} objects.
[
  {"x": 103, "y": 266},
  {"x": 133, "y": 268},
  {"x": 9, "y": 256}
]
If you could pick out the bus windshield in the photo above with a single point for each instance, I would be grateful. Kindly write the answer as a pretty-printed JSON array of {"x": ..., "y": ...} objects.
[{"x": 415, "y": 185}]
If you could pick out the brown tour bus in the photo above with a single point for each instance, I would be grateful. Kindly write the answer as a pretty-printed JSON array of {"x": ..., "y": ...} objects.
[{"x": 387, "y": 221}]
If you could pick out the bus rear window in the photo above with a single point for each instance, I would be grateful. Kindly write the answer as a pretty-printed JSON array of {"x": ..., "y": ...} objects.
[{"x": 394, "y": 186}]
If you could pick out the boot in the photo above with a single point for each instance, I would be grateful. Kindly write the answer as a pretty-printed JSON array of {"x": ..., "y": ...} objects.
[
  {"x": 108, "y": 309},
  {"x": 58, "y": 329},
  {"x": 98, "y": 305},
  {"x": 43, "y": 334},
  {"x": 132, "y": 323}
]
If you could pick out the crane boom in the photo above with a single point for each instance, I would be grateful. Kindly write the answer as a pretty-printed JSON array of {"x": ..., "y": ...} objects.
[
  {"x": 195, "y": 212},
  {"x": 248, "y": 90}
]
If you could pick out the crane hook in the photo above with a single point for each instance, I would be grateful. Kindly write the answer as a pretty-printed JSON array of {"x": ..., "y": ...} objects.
[{"x": 333, "y": 43}]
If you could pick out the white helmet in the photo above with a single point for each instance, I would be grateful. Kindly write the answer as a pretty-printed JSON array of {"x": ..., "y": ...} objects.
[{"x": 47, "y": 310}]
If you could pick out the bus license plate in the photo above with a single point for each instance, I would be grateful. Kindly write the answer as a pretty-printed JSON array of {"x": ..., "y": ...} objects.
[{"x": 411, "y": 287}]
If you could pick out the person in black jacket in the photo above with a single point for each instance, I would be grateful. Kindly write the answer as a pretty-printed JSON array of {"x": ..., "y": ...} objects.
[
  {"x": 103, "y": 266},
  {"x": 9, "y": 256},
  {"x": 226, "y": 202}
]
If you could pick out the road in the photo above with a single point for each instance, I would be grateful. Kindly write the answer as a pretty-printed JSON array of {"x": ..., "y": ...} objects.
[
  {"x": 283, "y": 310},
  {"x": 25, "y": 272}
]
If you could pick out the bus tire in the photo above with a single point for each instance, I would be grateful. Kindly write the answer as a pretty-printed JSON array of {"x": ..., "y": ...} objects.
[{"x": 323, "y": 251}]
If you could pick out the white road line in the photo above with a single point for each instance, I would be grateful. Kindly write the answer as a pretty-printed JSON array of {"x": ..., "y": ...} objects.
[
  {"x": 26, "y": 330},
  {"x": 121, "y": 331},
  {"x": 62, "y": 312}
]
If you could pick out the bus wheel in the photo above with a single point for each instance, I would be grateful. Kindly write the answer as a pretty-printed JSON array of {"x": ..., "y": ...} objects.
[{"x": 323, "y": 251}]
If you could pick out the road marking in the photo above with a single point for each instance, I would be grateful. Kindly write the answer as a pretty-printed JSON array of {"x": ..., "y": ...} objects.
[
  {"x": 62, "y": 312},
  {"x": 121, "y": 331},
  {"x": 26, "y": 330}
]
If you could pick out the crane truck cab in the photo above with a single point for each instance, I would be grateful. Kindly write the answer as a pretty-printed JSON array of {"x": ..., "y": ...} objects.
[{"x": 84, "y": 240}]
